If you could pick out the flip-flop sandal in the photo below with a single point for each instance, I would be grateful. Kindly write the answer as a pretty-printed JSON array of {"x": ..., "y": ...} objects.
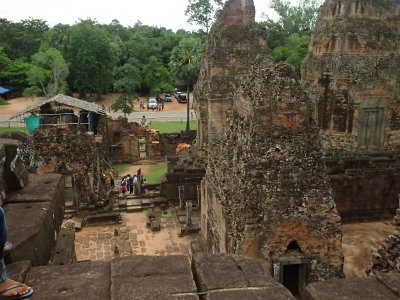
[
  {"x": 16, "y": 297},
  {"x": 10, "y": 249}
]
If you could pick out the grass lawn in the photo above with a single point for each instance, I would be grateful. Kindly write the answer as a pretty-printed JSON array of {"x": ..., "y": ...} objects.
[
  {"x": 171, "y": 126},
  {"x": 157, "y": 172},
  {"x": 122, "y": 168},
  {"x": 11, "y": 129}
]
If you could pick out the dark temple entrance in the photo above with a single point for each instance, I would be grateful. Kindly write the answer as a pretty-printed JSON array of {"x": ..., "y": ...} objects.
[{"x": 292, "y": 278}]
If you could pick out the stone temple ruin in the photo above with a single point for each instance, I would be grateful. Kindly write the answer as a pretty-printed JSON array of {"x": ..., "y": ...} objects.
[
  {"x": 270, "y": 221},
  {"x": 266, "y": 193},
  {"x": 351, "y": 75}
]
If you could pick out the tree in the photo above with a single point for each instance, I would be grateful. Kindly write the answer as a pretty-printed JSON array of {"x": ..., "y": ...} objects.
[
  {"x": 92, "y": 58},
  {"x": 22, "y": 39},
  {"x": 47, "y": 74},
  {"x": 185, "y": 65},
  {"x": 56, "y": 37},
  {"x": 294, "y": 51},
  {"x": 202, "y": 12},
  {"x": 12, "y": 72},
  {"x": 287, "y": 36},
  {"x": 156, "y": 77},
  {"x": 128, "y": 80}
]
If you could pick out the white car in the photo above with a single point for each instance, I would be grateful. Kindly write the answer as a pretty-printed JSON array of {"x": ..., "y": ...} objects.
[{"x": 152, "y": 103}]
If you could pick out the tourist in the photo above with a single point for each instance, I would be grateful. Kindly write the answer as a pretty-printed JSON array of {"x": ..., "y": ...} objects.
[
  {"x": 130, "y": 183},
  {"x": 144, "y": 186},
  {"x": 9, "y": 289},
  {"x": 134, "y": 184},
  {"x": 111, "y": 176},
  {"x": 123, "y": 185},
  {"x": 144, "y": 121}
]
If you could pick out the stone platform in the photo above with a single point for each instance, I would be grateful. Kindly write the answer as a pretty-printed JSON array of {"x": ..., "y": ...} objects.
[{"x": 154, "y": 277}]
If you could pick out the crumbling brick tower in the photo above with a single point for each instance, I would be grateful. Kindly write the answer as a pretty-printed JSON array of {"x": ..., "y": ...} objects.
[
  {"x": 266, "y": 193},
  {"x": 233, "y": 43},
  {"x": 352, "y": 74}
]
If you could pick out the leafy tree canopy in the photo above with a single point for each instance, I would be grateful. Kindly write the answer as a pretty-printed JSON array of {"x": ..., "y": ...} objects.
[
  {"x": 288, "y": 34},
  {"x": 156, "y": 77},
  {"x": 47, "y": 74},
  {"x": 22, "y": 39},
  {"x": 91, "y": 57},
  {"x": 202, "y": 12},
  {"x": 294, "y": 51}
]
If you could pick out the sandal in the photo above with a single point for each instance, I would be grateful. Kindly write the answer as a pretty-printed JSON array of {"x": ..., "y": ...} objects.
[{"x": 15, "y": 297}]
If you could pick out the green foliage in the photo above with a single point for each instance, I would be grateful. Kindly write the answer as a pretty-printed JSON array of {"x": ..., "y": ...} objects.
[
  {"x": 185, "y": 60},
  {"x": 91, "y": 57},
  {"x": 3, "y": 102},
  {"x": 202, "y": 12},
  {"x": 156, "y": 77},
  {"x": 22, "y": 39},
  {"x": 123, "y": 103},
  {"x": 171, "y": 126},
  {"x": 47, "y": 74},
  {"x": 293, "y": 52},
  {"x": 287, "y": 37},
  {"x": 128, "y": 80},
  {"x": 99, "y": 57},
  {"x": 56, "y": 37},
  {"x": 12, "y": 72}
]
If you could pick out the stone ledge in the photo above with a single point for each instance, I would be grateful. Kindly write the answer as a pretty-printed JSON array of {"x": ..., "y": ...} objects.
[{"x": 356, "y": 289}]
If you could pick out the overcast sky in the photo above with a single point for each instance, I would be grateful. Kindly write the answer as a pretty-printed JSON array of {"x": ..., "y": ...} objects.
[{"x": 161, "y": 13}]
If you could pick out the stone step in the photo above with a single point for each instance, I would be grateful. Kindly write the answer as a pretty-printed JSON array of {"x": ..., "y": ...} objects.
[
  {"x": 134, "y": 208},
  {"x": 133, "y": 202}
]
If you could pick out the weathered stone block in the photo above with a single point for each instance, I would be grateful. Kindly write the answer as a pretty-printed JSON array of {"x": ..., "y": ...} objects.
[
  {"x": 19, "y": 270},
  {"x": 86, "y": 280},
  {"x": 145, "y": 277},
  {"x": 270, "y": 293},
  {"x": 355, "y": 289},
  {"x": 32, "y": 230},
  {"x": 64, "y": 252}
]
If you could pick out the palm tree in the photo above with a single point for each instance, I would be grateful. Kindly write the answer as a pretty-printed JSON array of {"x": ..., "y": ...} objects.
[{"x": 185, "y": 65}]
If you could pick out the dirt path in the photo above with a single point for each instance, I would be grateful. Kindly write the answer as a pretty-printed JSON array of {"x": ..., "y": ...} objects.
[
  {"x": 359, "y": 241},
  {"x": 144, "y": 166},
  {"x": 17, "y": 104}
]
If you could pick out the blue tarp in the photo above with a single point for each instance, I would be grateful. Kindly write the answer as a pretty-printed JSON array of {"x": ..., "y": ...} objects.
[{"x": 3, "y": 90}]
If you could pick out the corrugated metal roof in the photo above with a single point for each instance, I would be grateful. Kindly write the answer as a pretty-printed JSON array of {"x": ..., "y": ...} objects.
[{"x": 66, "y": 100}]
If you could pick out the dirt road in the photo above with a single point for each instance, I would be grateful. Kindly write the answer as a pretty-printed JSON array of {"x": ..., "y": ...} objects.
[{"x": 17, "y": 104}]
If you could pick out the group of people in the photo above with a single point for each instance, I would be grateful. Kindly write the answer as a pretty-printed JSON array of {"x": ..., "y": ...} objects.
[{"x": 130, "y": 183}]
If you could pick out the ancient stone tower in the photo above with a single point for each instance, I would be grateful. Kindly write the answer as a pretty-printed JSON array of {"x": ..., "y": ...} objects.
[
  {"x": 352, "y": 74},
  {"x": 233, "y": 43},
  {"x": 266, "y": 193}
]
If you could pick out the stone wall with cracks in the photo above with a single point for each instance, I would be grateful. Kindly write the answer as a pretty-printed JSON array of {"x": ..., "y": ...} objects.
[
  {"x": 351, "y": 74},
  {"x": 70, "y": 150}
]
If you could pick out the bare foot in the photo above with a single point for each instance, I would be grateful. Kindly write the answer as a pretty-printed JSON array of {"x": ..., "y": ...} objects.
[
  {"x": 6, "y": 248},
  {"x": 18, "y": 291}
]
